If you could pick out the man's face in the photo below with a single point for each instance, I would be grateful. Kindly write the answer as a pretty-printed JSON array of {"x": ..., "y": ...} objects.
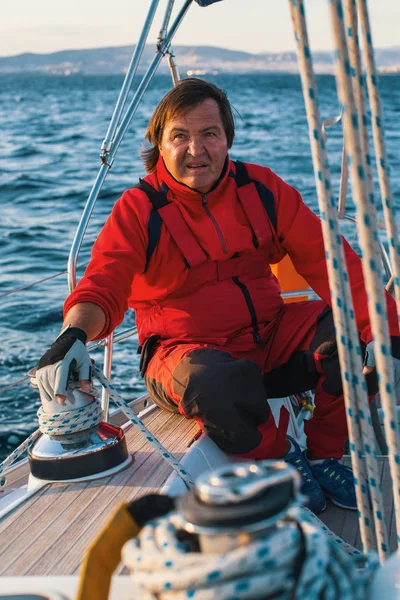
[{"x": 194, "y": 146}]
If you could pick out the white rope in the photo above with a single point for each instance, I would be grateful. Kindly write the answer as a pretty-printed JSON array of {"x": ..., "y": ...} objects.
[
  {"x": 309, "y": 516},
  {"x": 71, "y": 421},
  {"x": 366, "y": 431},
  {"x": 296, "y": 557},
  {"x": 368, "y": 237},
  {"x": 62, "y": 423},
  {"x": 167, "y": 456},
  {"x": 388, "y": 400},
  {"x": 380, "y": 147},
  {"x": 10, "y": 460},
  {"x": 346, "y": 333}
]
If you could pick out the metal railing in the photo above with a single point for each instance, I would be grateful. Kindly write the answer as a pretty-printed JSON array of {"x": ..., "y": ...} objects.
[{"x": 116, "y": 131}]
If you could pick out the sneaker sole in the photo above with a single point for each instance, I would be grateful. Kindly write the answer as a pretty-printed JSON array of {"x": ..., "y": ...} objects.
[
  {"x": 341, "y": 505},
  {"x": 316, "y": 512}
]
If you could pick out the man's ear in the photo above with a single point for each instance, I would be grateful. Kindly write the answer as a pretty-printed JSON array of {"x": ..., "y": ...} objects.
[{"x": 160, "y": 150}]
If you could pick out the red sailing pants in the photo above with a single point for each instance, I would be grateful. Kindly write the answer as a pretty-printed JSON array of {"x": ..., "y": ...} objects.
[{"x": 229, "y": 393}]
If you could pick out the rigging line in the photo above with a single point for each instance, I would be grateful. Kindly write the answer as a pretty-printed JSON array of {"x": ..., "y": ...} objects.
[
  {"x": 367, "y": 230},
  {"x": 26, "y": 287},
  {"x": 341, "y": 298},
  {"x": 10, "y": 385}
]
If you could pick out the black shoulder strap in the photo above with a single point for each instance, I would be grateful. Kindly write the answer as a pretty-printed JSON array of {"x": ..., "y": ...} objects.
[
  {"x": 155, "y": 222},
  {"x": 242, "y": 177},
  {"x": 158, "y": 200},
  {"x": 266, "y": 196}
]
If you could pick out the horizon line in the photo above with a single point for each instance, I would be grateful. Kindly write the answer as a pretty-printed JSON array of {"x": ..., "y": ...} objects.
[{"x": 133, "y": 44}]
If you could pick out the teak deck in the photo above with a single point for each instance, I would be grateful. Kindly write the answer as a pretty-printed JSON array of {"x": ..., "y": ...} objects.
[{"x": 50, "y": 532}]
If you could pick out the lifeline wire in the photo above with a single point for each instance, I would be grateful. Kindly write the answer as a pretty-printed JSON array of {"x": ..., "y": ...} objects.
[
  {"x": 349, "y": 351},
  {"x": 368, "y": 237}
]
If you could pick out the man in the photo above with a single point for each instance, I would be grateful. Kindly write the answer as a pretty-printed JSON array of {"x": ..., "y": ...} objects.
[{"x": 189, "y": 249}]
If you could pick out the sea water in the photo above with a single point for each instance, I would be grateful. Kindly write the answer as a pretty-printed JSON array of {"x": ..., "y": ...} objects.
[{"x": 51, "y": 132}]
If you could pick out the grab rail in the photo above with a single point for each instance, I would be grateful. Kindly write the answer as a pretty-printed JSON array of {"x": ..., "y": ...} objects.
[{"x": 114, "y": 137}]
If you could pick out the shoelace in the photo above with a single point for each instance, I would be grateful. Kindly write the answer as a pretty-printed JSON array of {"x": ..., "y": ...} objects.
[
  {"x": 302, "y": 470},
  {"x": 346, "y": 473}
]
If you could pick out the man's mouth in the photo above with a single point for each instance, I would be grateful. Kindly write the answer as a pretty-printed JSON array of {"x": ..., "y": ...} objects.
[{"x": 195, "y": 166}]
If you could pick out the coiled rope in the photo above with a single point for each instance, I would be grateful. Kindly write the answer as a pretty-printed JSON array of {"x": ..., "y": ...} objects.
[
  {"x": 295, "y": 557},
  {"x": 86, "y": 417},
  {"x": 62, "y": 423}
]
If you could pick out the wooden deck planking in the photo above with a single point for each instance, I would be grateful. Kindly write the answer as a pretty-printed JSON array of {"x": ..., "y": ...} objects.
[
  {"x": 14, "y": 481},
  {"x": 49, "y": 533}
]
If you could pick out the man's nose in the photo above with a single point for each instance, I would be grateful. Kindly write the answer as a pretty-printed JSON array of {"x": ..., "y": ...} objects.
[{"x": 196, "y": 146}]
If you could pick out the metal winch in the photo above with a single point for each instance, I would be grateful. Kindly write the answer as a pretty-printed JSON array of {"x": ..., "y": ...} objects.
[
  {"x": 236, "y": 503},
  {"x": 91, "y": 452}
]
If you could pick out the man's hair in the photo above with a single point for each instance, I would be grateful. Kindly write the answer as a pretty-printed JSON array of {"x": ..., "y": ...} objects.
[{"x": 187, "y": 94}]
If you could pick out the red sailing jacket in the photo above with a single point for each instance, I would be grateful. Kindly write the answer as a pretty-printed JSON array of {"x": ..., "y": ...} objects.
[{"x": 228, "y": 297}]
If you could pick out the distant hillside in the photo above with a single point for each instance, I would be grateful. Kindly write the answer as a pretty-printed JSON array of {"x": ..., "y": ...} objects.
[{"x": 192, "y": 59}]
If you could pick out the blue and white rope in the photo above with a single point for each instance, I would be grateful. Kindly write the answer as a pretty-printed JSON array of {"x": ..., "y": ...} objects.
[
  {"x": 11, "y": 458},
  {"x": 368, "y": 236},
  {"x": 295, "y": 557},
  {"x": 62, "y": 423},
  {"x": 71, "y": 421},
  {"x": 363, "y": 410},
  {"x": 343, "y": 313},
  {"x": 308, "y": 515},
  {"x": 380, "y": 147},
  {"x": 167, "y": 456}
]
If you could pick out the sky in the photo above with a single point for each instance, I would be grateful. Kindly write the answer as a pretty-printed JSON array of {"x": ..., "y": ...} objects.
[{"x": 250, "y": 25}]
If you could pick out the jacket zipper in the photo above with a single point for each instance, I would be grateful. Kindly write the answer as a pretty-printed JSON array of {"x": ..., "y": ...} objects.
[
  {"x": 256, "y": 335},
  {"x": 219, "y": 232}
]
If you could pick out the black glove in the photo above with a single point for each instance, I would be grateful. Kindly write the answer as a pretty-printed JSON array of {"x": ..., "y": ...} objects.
[{"x": 66, "y": 357}]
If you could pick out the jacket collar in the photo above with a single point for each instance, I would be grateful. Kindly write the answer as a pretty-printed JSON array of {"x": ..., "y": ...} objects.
[{"x": 184, "y": 192}]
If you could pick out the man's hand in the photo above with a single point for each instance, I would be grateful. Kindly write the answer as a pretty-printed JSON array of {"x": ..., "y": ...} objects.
[
  {"x": 369, "y": 358},
  {"x": 370, "y": 364},
  {"x": 68, "y": 355}
]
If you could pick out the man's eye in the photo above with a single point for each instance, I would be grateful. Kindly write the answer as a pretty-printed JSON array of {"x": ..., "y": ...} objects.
[
  {"x": 210, "y": 134},
  {"x": 179, "y": 136}
]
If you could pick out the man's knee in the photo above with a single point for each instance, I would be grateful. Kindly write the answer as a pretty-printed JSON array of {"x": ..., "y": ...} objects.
[
  {"x": 159, "y": 395},
  {"x": 210, "y": 381}
]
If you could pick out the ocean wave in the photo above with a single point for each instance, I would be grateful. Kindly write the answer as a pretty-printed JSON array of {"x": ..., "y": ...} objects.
[{"x": 25, "y": 151}]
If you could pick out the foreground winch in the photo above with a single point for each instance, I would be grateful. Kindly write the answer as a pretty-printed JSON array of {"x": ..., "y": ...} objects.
[
  {"x": 241, "y": 532},
  {"x": 75, "y": 442},
  {"x": 235, "y": 504}
]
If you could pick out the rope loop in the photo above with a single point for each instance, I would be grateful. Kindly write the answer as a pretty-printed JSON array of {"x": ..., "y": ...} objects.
[{"x": 71, "y": 421}]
